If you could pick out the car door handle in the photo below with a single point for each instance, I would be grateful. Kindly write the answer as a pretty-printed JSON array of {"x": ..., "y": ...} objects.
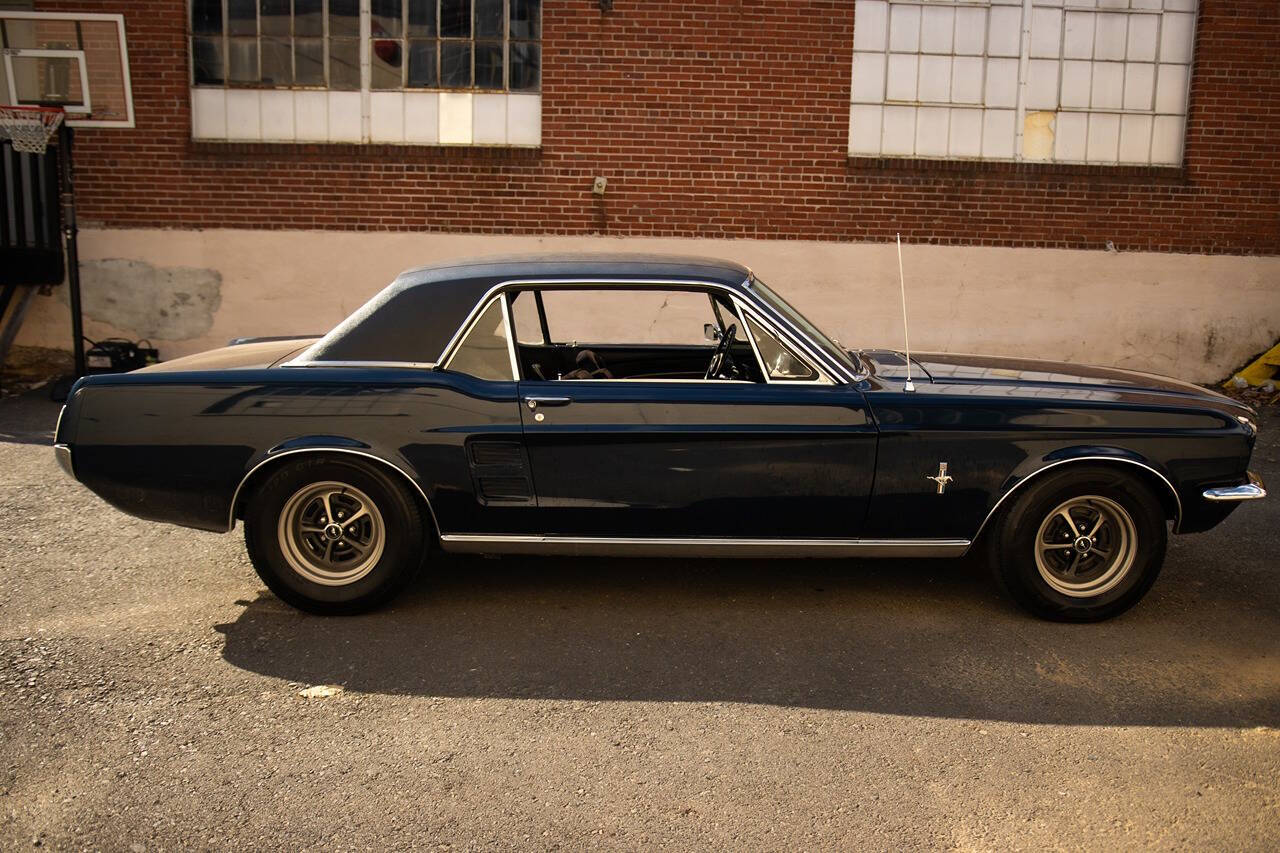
[{"x": 535, "y": 402}]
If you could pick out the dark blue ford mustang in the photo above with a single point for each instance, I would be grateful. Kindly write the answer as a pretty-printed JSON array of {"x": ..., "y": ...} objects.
[{"x": 532, "y": 406}]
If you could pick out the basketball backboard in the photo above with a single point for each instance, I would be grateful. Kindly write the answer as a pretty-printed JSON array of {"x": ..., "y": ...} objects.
[{"x": 75, "y": 60}]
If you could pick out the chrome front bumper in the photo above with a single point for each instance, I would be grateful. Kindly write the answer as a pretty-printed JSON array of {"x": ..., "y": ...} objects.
[
  {"x": 1250, "y": 491},
  {"x": 62, "y": 453}
]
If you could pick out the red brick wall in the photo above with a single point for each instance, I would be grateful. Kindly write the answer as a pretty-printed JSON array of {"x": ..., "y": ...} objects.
[{"x": 710, "y": 118}]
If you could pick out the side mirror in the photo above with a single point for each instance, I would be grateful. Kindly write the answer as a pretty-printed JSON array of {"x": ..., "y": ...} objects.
[{"x": 711, "y": 331}]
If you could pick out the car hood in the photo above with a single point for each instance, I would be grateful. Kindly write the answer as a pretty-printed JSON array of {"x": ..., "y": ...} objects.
[
  {"x": 953, "y": 368},
  {"x": 245, "y": 356}
]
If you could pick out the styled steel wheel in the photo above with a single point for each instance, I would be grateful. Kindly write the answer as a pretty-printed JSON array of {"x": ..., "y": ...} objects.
[
  {"x": 1086, "y": 546},
  {"x": 1080, "y": 544},
  {"x": 331, "y": 533},
  {"x": 334, "y": 534}
]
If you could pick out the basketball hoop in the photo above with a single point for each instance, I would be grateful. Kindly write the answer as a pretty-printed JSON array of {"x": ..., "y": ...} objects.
[{"x": 29, "y": 129}]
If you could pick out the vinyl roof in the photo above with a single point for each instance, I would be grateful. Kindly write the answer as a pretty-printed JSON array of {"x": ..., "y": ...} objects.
[
  {"x": 583, "y": 265},
  {"x": 415, "y": 317}
]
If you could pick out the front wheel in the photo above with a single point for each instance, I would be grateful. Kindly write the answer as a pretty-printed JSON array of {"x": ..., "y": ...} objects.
[
  {"x": 333, "y": 536},
  {"x": 1080, "y": 546}
]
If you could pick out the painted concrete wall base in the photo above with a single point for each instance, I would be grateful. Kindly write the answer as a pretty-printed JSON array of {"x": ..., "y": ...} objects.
[{"x": 1196, "y": 317}]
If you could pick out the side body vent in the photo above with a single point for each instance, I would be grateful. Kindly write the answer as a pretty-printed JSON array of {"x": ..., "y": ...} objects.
[
  {"x": 497, "y": 453},
  {"x": 504, "y": 488},
  {"x": 500, "y": 471}
]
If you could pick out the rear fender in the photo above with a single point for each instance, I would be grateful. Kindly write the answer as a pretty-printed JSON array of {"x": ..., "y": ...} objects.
[{"x": 263, "y": 466}]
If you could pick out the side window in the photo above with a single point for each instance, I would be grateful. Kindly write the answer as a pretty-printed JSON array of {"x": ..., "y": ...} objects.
[
  {"x": 779, "y": 361},
  {"x": 618, "y": 317},
  {"x": 524, "y": 315},
  {"x": 483, "y": 353}
]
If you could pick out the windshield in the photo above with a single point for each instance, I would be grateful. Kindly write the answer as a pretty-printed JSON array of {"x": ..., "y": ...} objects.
[{"x": 777, "y": 303}]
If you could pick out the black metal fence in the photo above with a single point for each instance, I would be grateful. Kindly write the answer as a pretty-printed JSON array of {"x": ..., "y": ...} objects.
[{"x": 30, "y": 218}]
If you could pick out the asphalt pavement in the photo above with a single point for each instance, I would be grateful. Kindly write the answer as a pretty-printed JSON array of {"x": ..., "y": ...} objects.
[{"x": 150, "y": 697}]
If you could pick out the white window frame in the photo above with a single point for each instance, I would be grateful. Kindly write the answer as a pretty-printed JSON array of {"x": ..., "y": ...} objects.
[
  {"x": 248, "y": 112},
  {"x": 1068, "y": 130}
]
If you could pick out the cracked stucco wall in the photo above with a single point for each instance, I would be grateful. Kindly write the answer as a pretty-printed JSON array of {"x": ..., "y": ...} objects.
[
  {"x": 154, "y": 302},
  {"x": 1196, "y": 317}
]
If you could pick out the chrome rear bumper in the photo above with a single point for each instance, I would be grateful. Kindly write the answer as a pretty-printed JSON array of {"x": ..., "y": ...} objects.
[
  {"x": 1250, "y": 491},
  {"x": 62, "y": 453}
]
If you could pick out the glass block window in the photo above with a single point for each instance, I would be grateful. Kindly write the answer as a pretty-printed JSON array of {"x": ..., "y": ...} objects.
[
  {"x": 472, "y": 45},
  {"x": 1074, "y": 81}
]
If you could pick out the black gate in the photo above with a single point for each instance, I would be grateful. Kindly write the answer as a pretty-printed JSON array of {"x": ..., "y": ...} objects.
[{"x": 30, "y": 218}]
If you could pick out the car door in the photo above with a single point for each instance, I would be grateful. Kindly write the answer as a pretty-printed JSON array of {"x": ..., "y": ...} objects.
[
  {"x": 467, "y": 436},
  {"x": 699, "y": 458}
]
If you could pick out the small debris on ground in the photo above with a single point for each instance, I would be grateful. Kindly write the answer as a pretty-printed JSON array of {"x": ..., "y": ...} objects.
[
  {"x": 27, "y": 368},
  {"x": 1265, "y": 394},
  {"x": 320, "y": 691}
]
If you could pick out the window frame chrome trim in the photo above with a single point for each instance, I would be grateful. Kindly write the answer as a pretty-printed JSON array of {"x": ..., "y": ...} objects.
[
  {"x": 499, "y": 298},
  {"x": 745, "y": 309},
  {"x": 850, "y": 378},
  {"x": 505, "y": 298},
  {"x": 800, "y": 341}
]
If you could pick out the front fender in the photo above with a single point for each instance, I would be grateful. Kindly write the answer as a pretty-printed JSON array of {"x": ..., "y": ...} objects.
[{"x": 1033, "y": 468}]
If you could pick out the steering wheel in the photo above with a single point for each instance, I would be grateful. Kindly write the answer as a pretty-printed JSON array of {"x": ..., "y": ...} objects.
[{"x": 721, "y": 354}]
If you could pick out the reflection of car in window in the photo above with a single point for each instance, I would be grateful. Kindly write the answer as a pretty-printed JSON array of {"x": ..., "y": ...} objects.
[{"x": 621, "y": 405}]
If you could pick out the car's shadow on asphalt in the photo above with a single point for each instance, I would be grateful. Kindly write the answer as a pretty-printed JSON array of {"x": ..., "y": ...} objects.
[{"x": 903, "y": 637}]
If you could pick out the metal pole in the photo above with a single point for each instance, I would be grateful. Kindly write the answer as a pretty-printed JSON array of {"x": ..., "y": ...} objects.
[{"x": 69, "y": 231}]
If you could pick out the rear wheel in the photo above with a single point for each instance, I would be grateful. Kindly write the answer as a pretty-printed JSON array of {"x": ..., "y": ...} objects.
[
  {"x": 1080, "y": 546},
  {"x": 334, "y": 536}
]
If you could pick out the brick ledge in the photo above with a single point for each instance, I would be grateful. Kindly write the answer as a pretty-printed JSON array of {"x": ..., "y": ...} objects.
[
  {"x": 982, "y": 168},
  {"x": 363, "y": 151}
]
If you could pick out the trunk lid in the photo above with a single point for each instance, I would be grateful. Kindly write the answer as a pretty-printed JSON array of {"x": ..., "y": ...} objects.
[{"x": 246, "y": 356}]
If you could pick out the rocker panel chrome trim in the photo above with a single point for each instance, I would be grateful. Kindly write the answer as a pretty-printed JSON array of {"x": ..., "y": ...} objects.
[
  {"x": 483, "y": 543},
  {"x": 235, "y": 496}
]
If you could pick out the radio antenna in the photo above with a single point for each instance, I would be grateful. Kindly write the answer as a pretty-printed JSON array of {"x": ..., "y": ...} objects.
[{"x": 902, "y": 283}]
